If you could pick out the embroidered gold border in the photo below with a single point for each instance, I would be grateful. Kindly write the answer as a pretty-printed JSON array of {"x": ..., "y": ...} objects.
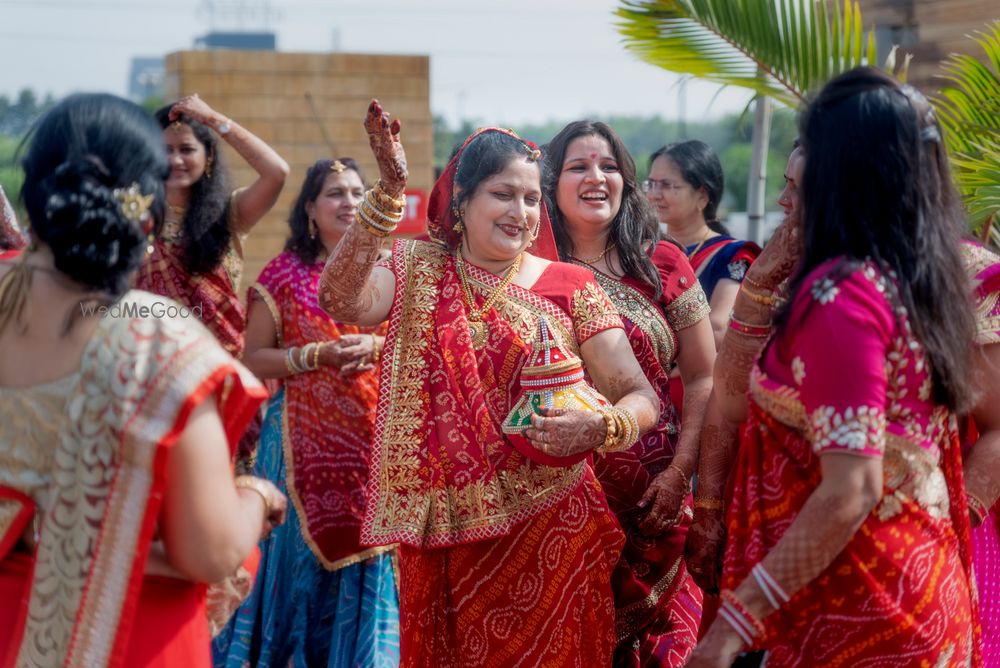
[
  {"x": 272, "y": 306},
  {"x": 289, "y": 458},
  {"x": 645, "y": 315},
  {"x": 629, "y": 618},
  {"x": 689, "y": 308}
]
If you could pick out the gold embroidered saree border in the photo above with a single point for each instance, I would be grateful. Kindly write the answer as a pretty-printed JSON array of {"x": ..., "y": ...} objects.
[
  {"x": 272, "y": 306},
  {"x": 401, "y": 509},
  {"x": 646, "y": 315}
]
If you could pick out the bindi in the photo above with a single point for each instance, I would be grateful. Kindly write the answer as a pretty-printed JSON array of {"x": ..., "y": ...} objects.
[{"x": 593, "y": 156}]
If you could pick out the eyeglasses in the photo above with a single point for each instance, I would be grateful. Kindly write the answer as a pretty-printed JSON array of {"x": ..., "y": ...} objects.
[{"x": 654, "y": 185}]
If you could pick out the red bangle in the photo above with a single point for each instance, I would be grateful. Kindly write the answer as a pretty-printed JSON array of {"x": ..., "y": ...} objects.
[
  {"x": 758, "y": 331},
  {"x": 758, "y": 626}
]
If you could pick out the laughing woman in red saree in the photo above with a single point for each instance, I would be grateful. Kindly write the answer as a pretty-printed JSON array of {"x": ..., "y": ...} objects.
[
  {"x": 117, "y": 500},
  {"x": 848, "y": 528},
  {"x": 504, "y": 561},
  {"x": 602, "y": 221}
]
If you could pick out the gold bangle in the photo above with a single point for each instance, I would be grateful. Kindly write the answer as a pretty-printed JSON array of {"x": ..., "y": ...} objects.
[
  {"x": 708, "y": 503},
  {"x": 257, "y": 485},
  {"x": 611, "y": 431},
  {"x": 684, "y": 476},
  {"x": 315, "y": 357},
  {"x": 758, "y": 297},
  {"x": 376, "y": 350},
  {"x": 372, "y": 227},
  {"x": 385, "y": 198},
  {"x": 756, "y": 284}
]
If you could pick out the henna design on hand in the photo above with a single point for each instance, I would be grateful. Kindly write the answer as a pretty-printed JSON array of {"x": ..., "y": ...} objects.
[
  {"x": 563, "y": 433},
  {"x": 383, "y": 136}
]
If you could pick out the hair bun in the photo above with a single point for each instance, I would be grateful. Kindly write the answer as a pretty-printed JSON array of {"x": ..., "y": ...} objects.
[{"x": 92, "y": 240}]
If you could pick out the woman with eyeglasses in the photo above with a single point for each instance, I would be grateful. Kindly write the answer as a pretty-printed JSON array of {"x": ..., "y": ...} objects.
[
  {"x": 602, "y": 222},
  {"x": 685, "y": 186}
]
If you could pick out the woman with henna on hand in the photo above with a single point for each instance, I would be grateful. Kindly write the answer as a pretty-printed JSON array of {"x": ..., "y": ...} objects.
[
  {"x": 321, "y": 598},
  {"x": 503, "y": 561},
  {"x": 117, "y": 497},
  {"x": 602, "y": 222},
  {"x": 197, "y": 257},
  {"x": 847, "y": 529}
]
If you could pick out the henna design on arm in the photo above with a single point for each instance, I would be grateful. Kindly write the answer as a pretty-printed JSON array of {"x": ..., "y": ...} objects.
[{"x": 347, "y": 290}]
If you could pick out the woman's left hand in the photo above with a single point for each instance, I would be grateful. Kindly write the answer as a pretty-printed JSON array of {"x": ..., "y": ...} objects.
[
  {"x": 718, "y": 649},
  {"x": 665, "y": 499},
  {"x": 564, "y": 433},
  {"x": 194, "y": 107}
]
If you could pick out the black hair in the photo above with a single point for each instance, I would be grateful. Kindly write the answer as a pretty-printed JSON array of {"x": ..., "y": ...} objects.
[
  {"x": 487, "y": 154},
  {"x": 301, "y": 242},
  {"x": 77, "y": 155},
  {"x": 701, "y": 169},
  {"x": 206, "y": 233},
  {"x": 873, "y": 188},
  {"x": 634, "y": 231}
]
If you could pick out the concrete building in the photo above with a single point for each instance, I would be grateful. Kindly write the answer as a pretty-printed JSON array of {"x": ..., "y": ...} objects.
[{"x": 930, "y": 30}]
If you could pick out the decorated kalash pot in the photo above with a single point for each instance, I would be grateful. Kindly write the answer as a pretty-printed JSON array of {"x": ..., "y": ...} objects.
[{"x": 551, "y": 378}]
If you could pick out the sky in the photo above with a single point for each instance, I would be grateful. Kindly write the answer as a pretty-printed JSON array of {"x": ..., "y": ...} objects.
[{"x": 510, "y": 62}]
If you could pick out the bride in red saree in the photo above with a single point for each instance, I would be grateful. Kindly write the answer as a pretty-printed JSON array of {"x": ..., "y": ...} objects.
[{"x": 503, "y": 561}]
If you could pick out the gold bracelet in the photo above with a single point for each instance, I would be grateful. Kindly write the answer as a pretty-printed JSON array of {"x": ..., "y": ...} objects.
[
  {"x": 386, "y": 199},
  {"x": 756, "y": 284},
  {"x": 611, "y": 432},
  {"x": 708, "y": 503},
  {"x": 371, "y": 226},
  {"x": 684, "y": 476},
  {"x": 257, "y": 485},
  {"x": 315, "y": 357},
  {"x": 758, "y": 297},
  {"x": 376, "y": 350}
]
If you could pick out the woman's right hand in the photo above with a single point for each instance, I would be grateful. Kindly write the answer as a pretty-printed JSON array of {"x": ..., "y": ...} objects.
[
  {"x": 778, "y": 258},
  {"x": 276, "y": 506},
  {"x": 703, "y": 548},
  {"x": 383, "y": 136}
]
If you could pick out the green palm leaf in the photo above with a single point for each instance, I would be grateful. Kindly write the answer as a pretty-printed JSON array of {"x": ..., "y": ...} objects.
[
  {"x": 782, "y": 49},
  {"x": 968, "y": 107}
]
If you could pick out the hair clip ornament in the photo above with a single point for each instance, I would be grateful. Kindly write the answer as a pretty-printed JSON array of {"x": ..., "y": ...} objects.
[
  {"x": 135, "y": 206},
  {"x": 337, "y": 166}
]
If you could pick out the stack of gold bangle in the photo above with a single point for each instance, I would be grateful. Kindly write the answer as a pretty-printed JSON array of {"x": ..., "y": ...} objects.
[
  {"x": 379, "y": 213},
  {"x": 622, "y": 430}
]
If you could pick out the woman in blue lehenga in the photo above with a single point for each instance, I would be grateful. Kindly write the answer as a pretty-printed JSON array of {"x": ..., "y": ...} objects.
[{"x": 320, "y": 599}]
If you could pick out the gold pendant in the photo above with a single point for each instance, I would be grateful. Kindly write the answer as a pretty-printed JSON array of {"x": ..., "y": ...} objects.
[{"x": 478, "y": 331}]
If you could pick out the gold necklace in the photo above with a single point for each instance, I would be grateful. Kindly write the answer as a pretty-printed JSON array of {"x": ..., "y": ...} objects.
[
  {"x": 598, "y": 258},
  {"x": 708, "y": 233},
  {"x": 478, "y": 328}
]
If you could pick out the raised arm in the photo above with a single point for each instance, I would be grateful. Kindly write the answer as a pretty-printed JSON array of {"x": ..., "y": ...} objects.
[
  {"x": 751, "y": 320},
  {"x": 349, "y": 289},
  {"x": 257, "y": 199}
]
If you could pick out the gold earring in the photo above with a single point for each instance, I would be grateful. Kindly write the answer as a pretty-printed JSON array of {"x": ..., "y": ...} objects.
[
  {"x": 459, "y": 227},
  {"x": 313, "y": 228},
  {"x": 150, "y": 246},
  {"x": 208, "y": 169}
]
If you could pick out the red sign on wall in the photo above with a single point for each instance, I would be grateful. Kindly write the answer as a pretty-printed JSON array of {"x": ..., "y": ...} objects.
[{"x": 414, "y": 221}]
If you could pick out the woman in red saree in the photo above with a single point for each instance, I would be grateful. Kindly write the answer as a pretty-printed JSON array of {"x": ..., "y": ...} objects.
[
  {"x": 197, "y": 257},
  {"x": 117, "y": 500},
  {"x": 848, "y": 529},
  {"x": 504, "y": 561},
  {"x": 602, "y": 221}
]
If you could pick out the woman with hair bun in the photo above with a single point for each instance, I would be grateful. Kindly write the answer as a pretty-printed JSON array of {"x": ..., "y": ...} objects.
[
  {"x": 321, "y": 598},
  {"x": 197, "y": 258},
  {"x": 685, "y": 187},
  {"x": 117, "y": 500}
]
